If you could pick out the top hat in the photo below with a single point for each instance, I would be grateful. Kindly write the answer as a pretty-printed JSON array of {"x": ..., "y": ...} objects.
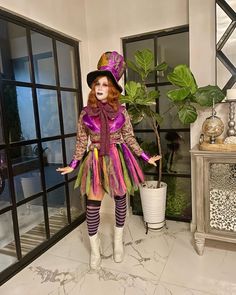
[{"x": 112, "y": 65}]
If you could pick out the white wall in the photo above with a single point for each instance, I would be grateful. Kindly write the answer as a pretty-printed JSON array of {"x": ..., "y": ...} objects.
[
  {"x": 109, "y": 21},
  {"x": 202, "y": 56}
]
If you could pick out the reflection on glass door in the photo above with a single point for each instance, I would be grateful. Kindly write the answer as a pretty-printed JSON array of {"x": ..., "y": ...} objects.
[
  {"x": 43, "y": 56},
  {"x": 7, "y": 244},
  {"x": 48, "y": 112},
  {"x": 40, "y": 100},
  {"x": 19, "y": 112},
  {"x": 14, "y": 52}
]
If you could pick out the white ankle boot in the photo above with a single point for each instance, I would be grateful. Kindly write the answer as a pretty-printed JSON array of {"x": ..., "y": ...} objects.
[
  {"x": 95, "y": 257},
  {"x": 118, "y": 244}
]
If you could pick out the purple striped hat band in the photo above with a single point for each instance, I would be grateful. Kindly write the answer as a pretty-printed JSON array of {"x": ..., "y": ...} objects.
[{"x": 111, "y": 69}]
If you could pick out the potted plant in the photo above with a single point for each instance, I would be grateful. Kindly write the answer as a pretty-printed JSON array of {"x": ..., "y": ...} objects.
[{"x": 141, "y": 101}]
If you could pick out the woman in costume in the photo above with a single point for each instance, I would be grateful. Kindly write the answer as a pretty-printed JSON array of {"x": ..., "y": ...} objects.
[{"x": 109, "y": 165}]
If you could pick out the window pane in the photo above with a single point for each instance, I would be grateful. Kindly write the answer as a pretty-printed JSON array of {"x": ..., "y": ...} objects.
[
  {"x": 222, "y": 22},
  {"x": 77, "y": 203},
  {"x": 131, "y": 48},
  {"x": 70, "y": 149},
  {"x": 175, "y": 151},
  {"x": 168, "y": 111},
  {"x": 19, "y": 112},
  {"x": 5, "y": 199},
  {"x": 1, "y": 127},
  {"x": 31, "y": 225},
  {"x": 178, "y": 203},
  {"x": 66, "y": 63},
  {"x": 14, "y": 52},
  {"x": 57, "y": 210},
  {"x": 7, "y": 242},
  {"x": 53, "y": 159},
  {"x": 70, "y": 111},
  {"x": 223, "y": 74},
  {"x": 43, "y": 58},
  {"x": 48, "y": 112},
  {"x": 173, "y": 49},
  {"x": 25, "y": 165},
  {"x": 229, "y": 48}
]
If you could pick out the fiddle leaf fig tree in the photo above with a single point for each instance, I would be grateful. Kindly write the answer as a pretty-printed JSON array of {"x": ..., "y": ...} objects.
[
  {"x": 185, "y": 97},
  {"x": 188, "y": 94},
  {"x": 140, "y": 99}
]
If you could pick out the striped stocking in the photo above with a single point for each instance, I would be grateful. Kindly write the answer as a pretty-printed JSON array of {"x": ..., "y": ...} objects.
[
  {"x": 120, "y": 210},
  {"x": 93, "y": 216}
]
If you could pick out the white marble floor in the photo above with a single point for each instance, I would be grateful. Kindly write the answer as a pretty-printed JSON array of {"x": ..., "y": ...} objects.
[{"x": 160, "y": 263}]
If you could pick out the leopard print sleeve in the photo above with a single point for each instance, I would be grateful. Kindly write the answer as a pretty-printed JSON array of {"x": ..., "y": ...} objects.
[
  {"x": 81, "y": 138},
  {"x": 128, "y": 135}
]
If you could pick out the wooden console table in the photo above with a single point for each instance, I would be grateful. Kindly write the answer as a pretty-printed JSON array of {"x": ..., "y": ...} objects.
[{"x": 213, "y": 196}]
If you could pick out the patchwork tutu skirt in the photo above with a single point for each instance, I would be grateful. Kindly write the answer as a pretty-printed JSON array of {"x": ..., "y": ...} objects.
[{"x": 116, "y": 174}]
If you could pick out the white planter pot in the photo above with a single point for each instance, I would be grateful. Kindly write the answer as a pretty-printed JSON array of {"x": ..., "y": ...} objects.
[{"x": 153, "y": 204}]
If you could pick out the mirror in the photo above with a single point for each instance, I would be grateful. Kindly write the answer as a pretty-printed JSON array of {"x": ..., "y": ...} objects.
[{"x": 226, "y": 43}]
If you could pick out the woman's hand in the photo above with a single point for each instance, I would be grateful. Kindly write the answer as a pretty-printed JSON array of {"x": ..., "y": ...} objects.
[
  {"x": 153, "y": 160},
  {"x": 65, "y": 170}
]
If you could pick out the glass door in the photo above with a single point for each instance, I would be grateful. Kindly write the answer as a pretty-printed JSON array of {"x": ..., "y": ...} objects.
[{"x": 40, "y": 99}]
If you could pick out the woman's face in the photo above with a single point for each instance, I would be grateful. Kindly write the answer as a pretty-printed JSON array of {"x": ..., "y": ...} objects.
[{"x": 101, "y": 89}]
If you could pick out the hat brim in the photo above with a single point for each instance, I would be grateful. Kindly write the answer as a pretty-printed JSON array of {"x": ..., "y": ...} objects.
[{"x": 93, "y": 75}]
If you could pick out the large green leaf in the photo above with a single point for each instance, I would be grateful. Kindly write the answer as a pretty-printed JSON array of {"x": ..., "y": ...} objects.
[
  {"x": 205, "y": 95},
  {"x": 125, "y": 99},
  {"x": 133, "y": 66},
  {"x": 153, "y": 94},
  {"x": 161, "y": 67},
  {"x": 187, "y": 114},
  {"x": 132, "y": 88},
  {"x": 147, "y": 98},
  {"x": 178, "y": 94},
  {"x": 136, "y": 113},
  {"x": 183, "y": 77},
  {"x": 144, "y": 59}
]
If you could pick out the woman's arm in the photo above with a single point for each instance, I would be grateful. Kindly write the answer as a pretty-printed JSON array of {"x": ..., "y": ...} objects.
[{"x": 129, "y": 138}]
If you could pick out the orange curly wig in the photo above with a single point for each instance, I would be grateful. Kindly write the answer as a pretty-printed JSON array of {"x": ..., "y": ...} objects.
[{"x": 113, "y": 95}]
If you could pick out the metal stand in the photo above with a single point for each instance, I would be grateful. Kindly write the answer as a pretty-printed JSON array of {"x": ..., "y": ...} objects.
[{"x": 159, "y": 228}]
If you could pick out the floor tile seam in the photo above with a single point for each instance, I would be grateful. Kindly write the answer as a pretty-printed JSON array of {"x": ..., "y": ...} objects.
[
  {"x": 171, "y": 250},
  {"x": 182, "y": 286},
  {"x": 64, "y": 257}
]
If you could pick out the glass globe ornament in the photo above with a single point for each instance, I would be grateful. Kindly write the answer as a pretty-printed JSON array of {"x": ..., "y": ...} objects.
[{"x": 213, "y": 127}]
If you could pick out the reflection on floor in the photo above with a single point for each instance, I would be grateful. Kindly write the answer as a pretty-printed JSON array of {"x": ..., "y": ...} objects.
[
  {"x": 32, "y": 229},
  {"x": 30, "y": 216},
  {"x": 36, "y": 235},
  {"x": 160, "y": 263}
]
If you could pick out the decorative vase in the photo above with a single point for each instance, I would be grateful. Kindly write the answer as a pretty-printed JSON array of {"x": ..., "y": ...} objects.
[
  {"x": 153, "y": 204},
  {"x": 213, "y": 127}
]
